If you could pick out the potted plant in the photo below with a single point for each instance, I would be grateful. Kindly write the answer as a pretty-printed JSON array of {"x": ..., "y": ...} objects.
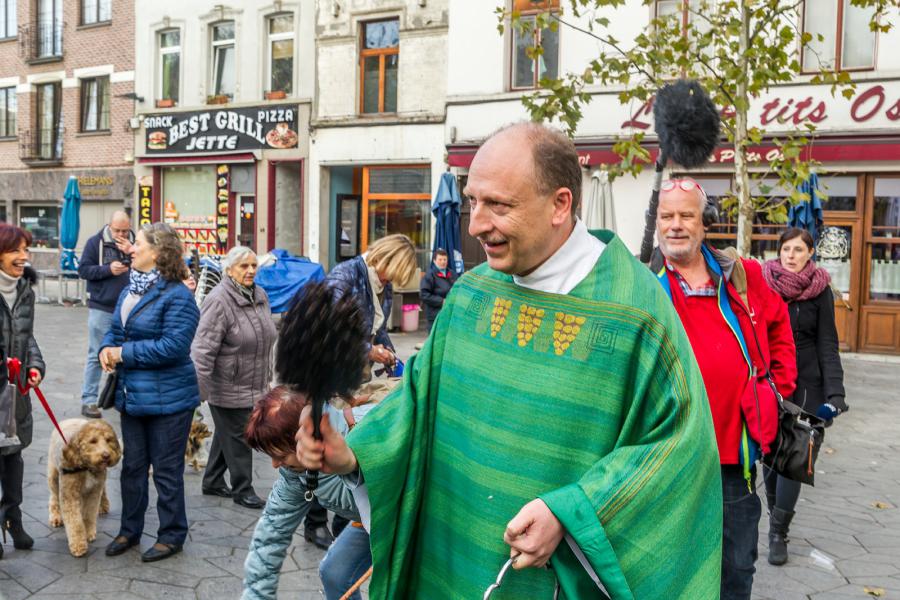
[
  {"x": 165, "y": 103},
  {"x": 220, "y": 99},
  {"x": 276, "y": 95}
]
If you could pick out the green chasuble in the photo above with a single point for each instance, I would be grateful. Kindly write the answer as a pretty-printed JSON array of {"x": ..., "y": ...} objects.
[{"x": 591, "y": 401}]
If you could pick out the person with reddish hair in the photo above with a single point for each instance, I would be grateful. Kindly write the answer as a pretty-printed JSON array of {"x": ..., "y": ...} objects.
[
  {"x": 271, "y": 429},
  {"x": 17, "y": 341}
]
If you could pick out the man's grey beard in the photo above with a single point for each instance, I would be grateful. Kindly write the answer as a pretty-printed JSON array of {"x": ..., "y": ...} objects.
[{"x": 679, "y": 255}]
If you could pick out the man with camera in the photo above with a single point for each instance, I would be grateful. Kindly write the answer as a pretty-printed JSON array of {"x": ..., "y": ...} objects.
[{"x": 105, "y": 264}]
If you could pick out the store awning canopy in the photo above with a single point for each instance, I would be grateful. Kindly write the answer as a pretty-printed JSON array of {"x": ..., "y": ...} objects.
[{"x": 69, "y": 225}]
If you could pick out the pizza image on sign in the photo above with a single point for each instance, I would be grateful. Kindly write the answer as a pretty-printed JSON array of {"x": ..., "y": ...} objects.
[{"x": 282, "y": 136}]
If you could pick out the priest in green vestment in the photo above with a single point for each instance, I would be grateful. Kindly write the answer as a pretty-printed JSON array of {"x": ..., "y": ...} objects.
[{"x": 555, "y": 415}]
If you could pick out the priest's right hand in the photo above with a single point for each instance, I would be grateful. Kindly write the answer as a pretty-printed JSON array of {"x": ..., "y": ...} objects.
[{"x": 331, "y": 454}]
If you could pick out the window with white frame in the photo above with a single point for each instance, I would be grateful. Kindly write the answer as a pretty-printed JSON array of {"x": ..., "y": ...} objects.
[
  {"x": 528, "y": 69},
  {"x": 95, "y": 104},
  {"x": 281, "y": 53},
  {"x": 169, "y": 64},
  {"x": 224, "y": 68},
  {"x": 8, "y": 112},
  {"x": 7, "y": 18},
  {"x": 847, "y": 43},
  {"x": 96, "y": 11}
]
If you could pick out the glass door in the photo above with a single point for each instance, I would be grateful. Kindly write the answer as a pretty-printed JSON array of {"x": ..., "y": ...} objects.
[
  {"x": 837, "y": 251},
  {"x": 247, "y": 227}
]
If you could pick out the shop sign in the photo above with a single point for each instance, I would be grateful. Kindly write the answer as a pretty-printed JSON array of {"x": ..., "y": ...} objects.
[
  {"x": 92, "y": 186},
  {"x": 222, "y": 130},
  {"x": 145, "y": 205},
  {"x": 222, "y": 176}
]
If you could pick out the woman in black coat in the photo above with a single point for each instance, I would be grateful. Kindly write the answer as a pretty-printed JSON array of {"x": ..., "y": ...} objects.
[
  {"x": 17, "y": 339},
  {"x": 435, "y": 286},
  {"x": 820, "y": 377}
]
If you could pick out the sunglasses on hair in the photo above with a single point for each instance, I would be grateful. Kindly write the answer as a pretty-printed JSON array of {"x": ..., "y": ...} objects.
[{"x": 685, "y": 184}]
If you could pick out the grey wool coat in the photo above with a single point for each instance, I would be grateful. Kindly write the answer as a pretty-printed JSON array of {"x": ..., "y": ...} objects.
[{"x": 233, "y": 348}]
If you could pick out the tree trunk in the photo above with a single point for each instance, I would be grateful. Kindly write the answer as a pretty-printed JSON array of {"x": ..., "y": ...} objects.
[{"x": 746, "y": 211}]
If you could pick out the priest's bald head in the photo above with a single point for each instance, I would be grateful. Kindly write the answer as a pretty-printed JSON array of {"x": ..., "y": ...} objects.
[{"x": 524, "y": 188}]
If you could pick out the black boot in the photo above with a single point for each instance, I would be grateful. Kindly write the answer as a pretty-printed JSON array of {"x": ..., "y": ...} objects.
[
  {"x": 21, "y": 540},
  {"x": 779, "y": 522}
]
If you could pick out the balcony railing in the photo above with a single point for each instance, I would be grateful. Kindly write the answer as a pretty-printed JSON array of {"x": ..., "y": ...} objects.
[
  {"x": 41, "y": 42},
  {"x": 41, "y": 148}
]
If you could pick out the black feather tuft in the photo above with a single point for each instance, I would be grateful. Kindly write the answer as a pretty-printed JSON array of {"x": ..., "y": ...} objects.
[
  {"x": 321, "y": 347},
  {"x": 686, "y": 122}
]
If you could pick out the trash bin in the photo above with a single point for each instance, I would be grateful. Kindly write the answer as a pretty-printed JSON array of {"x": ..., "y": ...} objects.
[{"x": 410, "y": 320}]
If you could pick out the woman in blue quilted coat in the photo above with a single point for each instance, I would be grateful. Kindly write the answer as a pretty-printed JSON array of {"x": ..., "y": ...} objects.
[{"x": 149, "y": 343}]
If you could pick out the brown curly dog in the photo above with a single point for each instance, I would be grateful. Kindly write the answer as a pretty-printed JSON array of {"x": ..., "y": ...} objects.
[
  {"x": 193, "y": 454},
  {"x": 76, "y": 474}
]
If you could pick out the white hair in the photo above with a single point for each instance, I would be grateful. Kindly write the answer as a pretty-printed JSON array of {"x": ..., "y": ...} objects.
[{"x": 235, "y": 255}]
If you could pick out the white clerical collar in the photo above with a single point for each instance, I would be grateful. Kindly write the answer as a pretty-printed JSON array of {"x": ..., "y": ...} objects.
[{"x": 568, "y": 266}]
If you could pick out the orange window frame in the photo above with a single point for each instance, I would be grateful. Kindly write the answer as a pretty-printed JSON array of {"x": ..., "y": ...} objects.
[
  {"x": 537, "y": 35},
  {"x": 838, "y": 43},
  {"x": 382, "y": 54},
  {"x": 367, "y": 195}
]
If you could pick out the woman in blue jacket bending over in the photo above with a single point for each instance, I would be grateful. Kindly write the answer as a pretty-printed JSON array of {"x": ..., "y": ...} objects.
[{"x": 149, "y": 343}]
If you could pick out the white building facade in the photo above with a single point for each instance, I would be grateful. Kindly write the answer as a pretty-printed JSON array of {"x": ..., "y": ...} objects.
[{"x": 857, "y": 141}]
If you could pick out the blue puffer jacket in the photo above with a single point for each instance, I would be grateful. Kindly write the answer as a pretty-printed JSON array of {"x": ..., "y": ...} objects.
[
  {"x": 352, "y": 277},
  {"x": 156, "y": 376}
]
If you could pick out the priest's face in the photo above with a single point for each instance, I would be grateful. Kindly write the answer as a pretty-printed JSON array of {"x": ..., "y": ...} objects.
[
  {"x": 518, "y": 227},
  {"x": 679, "y": 224}
]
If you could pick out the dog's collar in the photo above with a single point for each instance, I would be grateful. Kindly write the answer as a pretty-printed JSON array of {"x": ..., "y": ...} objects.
[{"x": 71, "y": 471}]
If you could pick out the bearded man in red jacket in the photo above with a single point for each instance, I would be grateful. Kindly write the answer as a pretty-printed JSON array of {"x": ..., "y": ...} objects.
[{"x": 740, "y": 332}]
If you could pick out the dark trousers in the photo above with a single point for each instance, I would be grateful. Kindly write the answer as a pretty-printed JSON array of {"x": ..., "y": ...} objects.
[
  {"x": 740, "y": 532},
  {"x": 318, "y": 517},
  {"x": 158, "y": 441},
  {"x": 230, "y": 452},
  {"x": 781, "y": 492},
  {"x": 12, "y": 470}
]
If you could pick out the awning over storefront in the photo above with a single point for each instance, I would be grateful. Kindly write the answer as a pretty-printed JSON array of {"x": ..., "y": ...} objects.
[{"x": 210, "y": 159}]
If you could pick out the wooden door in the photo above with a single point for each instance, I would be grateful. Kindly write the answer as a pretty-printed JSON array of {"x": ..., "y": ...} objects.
[
  {"x": 247, "y": 228},
  {"x": 839, "y": 251}
]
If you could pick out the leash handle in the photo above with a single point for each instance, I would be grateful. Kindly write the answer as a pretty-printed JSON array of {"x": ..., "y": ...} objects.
[
  {"x": 499, "y": 581},
  {"x": 14, "y": 365}
]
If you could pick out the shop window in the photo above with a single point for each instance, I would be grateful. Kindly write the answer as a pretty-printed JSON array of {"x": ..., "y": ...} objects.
[
  {"x": 223, "y": 55},
  {"x": 189, "y": 205},
  {"x": 8, "y": 112},
  {"x": 96, "y": 11},
  {"x": 884, "y": 269},
  {"x": 95, "y": 104},
  {"x": 50, "y": 28},
  {"x": 43, "y": 224},
  {"x": 169, "y": 64},
  {"x": 398, "y": 200},
  {"x": 527, "y": 72},
  {"x": 847, "y": 41},
  {"x": 379, "y": 61},
  {"x": 7, "y": 19},
  {"x": 49, "y": 123},
  {"x": 281, "y": 54},
  {"x": 840, "y": 193}
]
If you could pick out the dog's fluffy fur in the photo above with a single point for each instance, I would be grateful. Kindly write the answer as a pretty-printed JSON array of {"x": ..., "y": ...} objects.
[
  {"x": 194, "y": 454},
  {"x": 76, "y": 475}
]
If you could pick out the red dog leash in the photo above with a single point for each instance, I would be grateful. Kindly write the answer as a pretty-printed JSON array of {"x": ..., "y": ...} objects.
[{"x": 14, "y": 365}]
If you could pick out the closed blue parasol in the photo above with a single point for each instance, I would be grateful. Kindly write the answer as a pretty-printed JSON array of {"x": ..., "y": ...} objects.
[
  {"x": 69, "y": 226},
  {"x": 808, "y": 214},
  {"x": 446, "y": 226}
]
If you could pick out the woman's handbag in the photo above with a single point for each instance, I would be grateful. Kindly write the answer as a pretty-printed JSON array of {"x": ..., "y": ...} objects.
[
  {"x": 107, "y": 398},
  {"x": 796, "y": 447}
]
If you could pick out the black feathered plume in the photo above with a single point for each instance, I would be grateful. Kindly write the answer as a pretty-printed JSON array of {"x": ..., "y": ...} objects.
[
  {"x": 687, "y": 123},
  {"x": 321, "y": 350}
]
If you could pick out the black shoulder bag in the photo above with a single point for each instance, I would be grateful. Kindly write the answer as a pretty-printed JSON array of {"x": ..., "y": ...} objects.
[{"x": 107, "y": 397}]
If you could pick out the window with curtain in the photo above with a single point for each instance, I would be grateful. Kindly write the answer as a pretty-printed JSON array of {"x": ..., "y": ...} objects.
[
  {"x": 528, "y": 69},
  {"x": 96, "y": 11},
  {"x": 379, "y": 61},
  {"x": 7, "y": 18},
  {"x": 8, "y": 112},
  {"x": 281, "y": 54},
  {"x": 169, "y": 64},
  {"x": 224, "y": 74},
  {"x": 847, "y": 42},
  {"x": 49, "y": 122},
  {"x": 95, "y": 104},
  {"x": 50, "y": 26}
]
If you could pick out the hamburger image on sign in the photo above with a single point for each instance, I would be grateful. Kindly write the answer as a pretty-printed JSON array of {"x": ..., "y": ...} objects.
[{"x": 157, "y": 140}]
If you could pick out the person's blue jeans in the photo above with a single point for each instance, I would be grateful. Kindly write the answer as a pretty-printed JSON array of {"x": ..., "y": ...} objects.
[
  {"x": 347, "y": 560},
  {"x": 740, "y": 532},
  {"x": 158, "y": 441},
  {"x": 99, "y": 322}
]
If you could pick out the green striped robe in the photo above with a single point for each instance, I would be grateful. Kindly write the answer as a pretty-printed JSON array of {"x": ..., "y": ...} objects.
[{"x": 591, "y": 401}]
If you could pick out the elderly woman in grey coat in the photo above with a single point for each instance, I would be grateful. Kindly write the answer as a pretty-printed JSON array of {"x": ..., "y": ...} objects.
[{"x": 232, "y": 352}]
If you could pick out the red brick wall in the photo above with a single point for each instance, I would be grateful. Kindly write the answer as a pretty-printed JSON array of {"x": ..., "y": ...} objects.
[{"x": 83, "y": 47}]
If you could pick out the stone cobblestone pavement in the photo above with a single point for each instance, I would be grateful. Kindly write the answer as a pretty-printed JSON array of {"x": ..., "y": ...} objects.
[{"x": 846, "y": 536}]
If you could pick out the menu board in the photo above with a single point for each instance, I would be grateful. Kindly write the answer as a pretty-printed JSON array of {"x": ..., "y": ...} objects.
[
  {"x": 222, "y": 177},
  {"x": 199, "y": 236}
]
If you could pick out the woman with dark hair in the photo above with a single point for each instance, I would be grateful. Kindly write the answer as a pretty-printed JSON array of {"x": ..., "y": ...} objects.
[
  {"x": 17, "y": 340},
  {"x": 820, "y": 377},
  {"x": 150, "y": 345}
]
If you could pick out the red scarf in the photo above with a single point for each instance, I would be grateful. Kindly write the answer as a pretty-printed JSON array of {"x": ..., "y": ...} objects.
[{"x": 794, "y": 287}]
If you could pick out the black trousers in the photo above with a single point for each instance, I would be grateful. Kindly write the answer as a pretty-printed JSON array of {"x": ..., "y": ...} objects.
[
  {"x": 229, "y": 452},
  {"x": 12, "y": 470},
  {"x": 781, "y": 492}
]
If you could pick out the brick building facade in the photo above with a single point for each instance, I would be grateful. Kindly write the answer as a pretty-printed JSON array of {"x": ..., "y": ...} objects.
[{"x": 66, "y": 100}]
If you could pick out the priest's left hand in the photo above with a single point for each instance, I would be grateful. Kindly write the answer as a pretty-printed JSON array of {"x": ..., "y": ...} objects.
[{"x": 533, "y": 535}]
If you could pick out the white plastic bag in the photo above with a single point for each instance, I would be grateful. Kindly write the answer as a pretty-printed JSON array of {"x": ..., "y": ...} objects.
[{"x": 8, "y": 435}]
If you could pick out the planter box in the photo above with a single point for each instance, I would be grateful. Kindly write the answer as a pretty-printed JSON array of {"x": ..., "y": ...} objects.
[
  {"x": 217, "y": 100},
  {"x": 276, "y": 95},
  {"x": 165, "y": 103}
]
